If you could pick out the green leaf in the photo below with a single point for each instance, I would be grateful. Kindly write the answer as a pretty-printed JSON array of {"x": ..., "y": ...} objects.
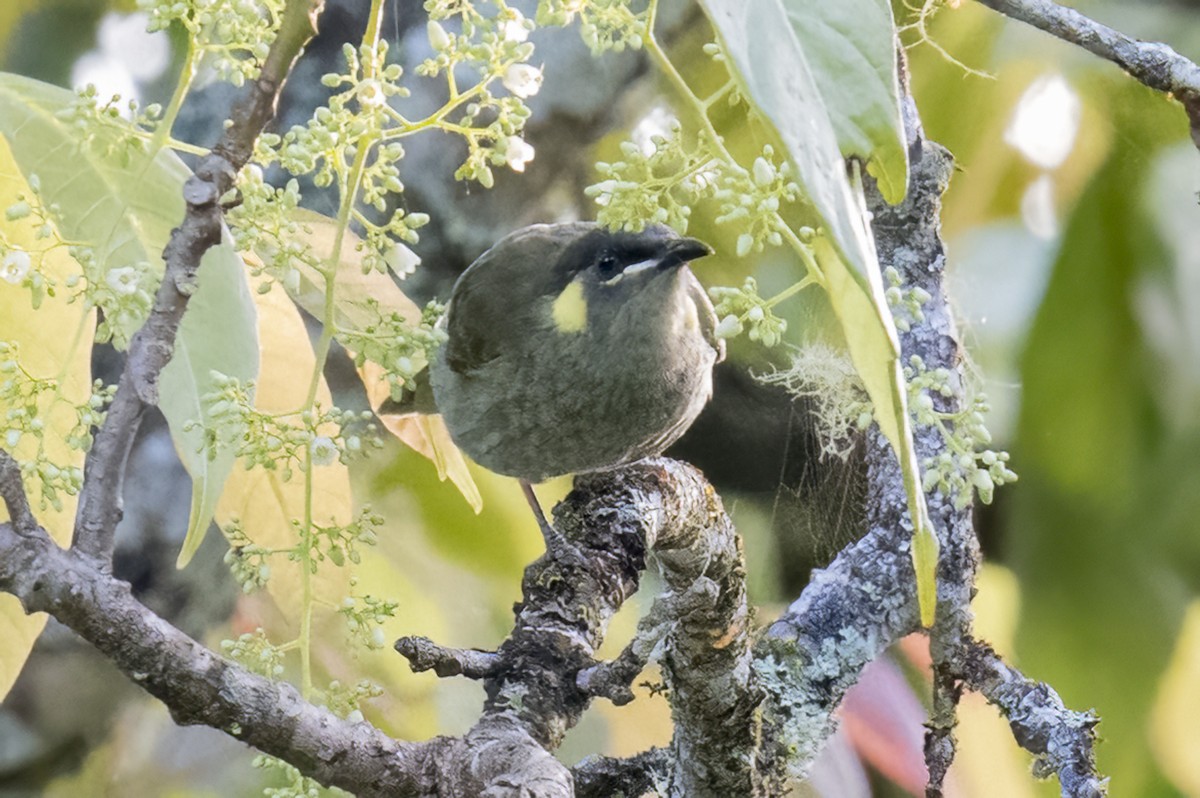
[
  {"x": 125, "y": 204},
  {"x": 773, "y": 72},
  {"x": 219, "y": 333},
  {"x": 851, "y": 48}
]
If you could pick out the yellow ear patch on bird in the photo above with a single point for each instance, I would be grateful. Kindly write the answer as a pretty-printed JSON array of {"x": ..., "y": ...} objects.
[{"x": 569, "y": 310}]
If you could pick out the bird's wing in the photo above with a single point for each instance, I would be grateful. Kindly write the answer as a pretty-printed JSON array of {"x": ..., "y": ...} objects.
[
  {"x": 708, "y": 319},
  {"x": 471, "y": 329}
]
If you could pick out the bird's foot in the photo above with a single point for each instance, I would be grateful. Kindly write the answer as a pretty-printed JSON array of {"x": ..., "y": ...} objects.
[{"x": 557, "y": 544}]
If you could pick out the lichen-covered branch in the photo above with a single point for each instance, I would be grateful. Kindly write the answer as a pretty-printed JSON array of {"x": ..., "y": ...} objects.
[
  {"x": 612, "y": 520},
  {"x": 865, "y": 600},
  {"x": 1152, "y": 63},
  {"x": 152, "y": 346},
  {"x": 908, "y": 238},
  {"x": 604, "y": 777},
  {"x": 425, "y": 655},
  {"x": 1061, "y": 738}
]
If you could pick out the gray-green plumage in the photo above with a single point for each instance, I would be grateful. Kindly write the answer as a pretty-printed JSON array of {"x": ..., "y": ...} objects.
[{"x": 528, "y": 397}]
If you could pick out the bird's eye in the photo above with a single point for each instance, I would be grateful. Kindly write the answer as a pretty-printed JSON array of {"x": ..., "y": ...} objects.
[{"x": 608, "y": 266}]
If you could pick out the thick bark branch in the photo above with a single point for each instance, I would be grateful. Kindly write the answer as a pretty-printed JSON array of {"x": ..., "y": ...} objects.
[
  {"x": 865, "y": 600},
  {"x": 152, "y": 346},
  {"x": 12, "y": 492},
  {"x": 605, "y": 777},
  {"x": 1152, "y": 63},
  {"x": 611, "y": 520},
  {"x": 197, "y": 686}
]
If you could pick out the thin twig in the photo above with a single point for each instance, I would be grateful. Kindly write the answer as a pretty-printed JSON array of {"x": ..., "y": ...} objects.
[
  {"x": 1062, "y": 739},
  {"x": 425, "y": 655},
  {"x": 152, "y": 346},
  {"x": 12, "y": 491},
  {"x": 613, "y": 679},
  {"x": 1152, "y": 63}
]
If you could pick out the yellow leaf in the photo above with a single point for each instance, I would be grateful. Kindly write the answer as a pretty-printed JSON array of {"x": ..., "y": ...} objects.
[
  {"x": 427, "y": 435},
  {"x": 1174, "y": 727},
  {"x": 55, "y": 342},
  {"x": 875, "y": 351},
  {"x": 264, "y": 503}
]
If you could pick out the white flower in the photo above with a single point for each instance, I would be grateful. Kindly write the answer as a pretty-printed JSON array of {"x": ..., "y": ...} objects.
[
  {"x": 401, "y": 260},
  {"x": 729, "y": 327},
  {"x": 517, "y": 153},
  {"x": 371, "y": 94},
  {"x": 123, "y": 281},
  {"x": 323, "y": 450},
  {"x": 15, "y": 265},
  {"x": 514, "y": 30},
  {"x": 522, "y": 80},
  {"x": 437, "y": 35},
  {"x": 764, "y": 172}
]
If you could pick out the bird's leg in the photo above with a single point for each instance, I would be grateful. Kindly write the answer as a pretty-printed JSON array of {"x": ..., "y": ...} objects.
[
  {"x": 557, "y": 545},
  {"x": 549, "y": 533}
]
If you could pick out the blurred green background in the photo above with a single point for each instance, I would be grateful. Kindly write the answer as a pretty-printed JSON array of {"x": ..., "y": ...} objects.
[{"x": 1073, "y": 236}]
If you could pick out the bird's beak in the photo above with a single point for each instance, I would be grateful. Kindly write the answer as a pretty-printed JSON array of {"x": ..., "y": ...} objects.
[{"x": 682, "y": 250}]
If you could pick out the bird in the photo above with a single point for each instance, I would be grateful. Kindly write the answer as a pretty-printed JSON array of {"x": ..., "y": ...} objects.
[{"x": 571, "y": 348}]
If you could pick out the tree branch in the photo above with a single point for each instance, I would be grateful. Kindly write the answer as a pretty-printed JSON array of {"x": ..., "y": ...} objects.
[
  {"x": 12, "y": 492},
  {"x": 152, "y": 346},
  {"x": 612, "y": 519},
  {"x": 1152, "y": 63},
  {"x": 1061, "y": 738},
  {"x": 425, "y": 655},
  {"x": 197, "y": 686},
  {"x": 605, "y": 777}
]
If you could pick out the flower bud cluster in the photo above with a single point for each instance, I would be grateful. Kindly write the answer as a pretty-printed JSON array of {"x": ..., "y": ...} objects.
[
  {"x": 26, "y": 404},
  {"x": 122, "y": 290},
  {"x": 345, "y": 700},
  {"x": 295, "y": 783},
  {"x": 340, "y": 544},
  {"x": 491, "y": 44},
  {"x": 742, "y": 308},
  {"x": 752, "y": 201},
  {"x": 281, "y": 442},
  {"x": 255, "y": 652},
  {"x": 495, "y": 46},
  {"x": 365, "y": 616},
  {"x": 965, "y": 465},
  {"x": 19, "y": 265},
  {"x": 265, "y": 223},
  {"x": 247, "y": 561},
  {"x": 905, "y": 303},
  {"x": 354, "y": 117},
  {"x": 603, "y": 24},
  {"x": 656, "y": 188},
  {"x": 90, "y": 116},
  {"x": 124, "y": 294},
  {"x": 402, "y": 346},
  {"x": 234, "y": 35}
]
